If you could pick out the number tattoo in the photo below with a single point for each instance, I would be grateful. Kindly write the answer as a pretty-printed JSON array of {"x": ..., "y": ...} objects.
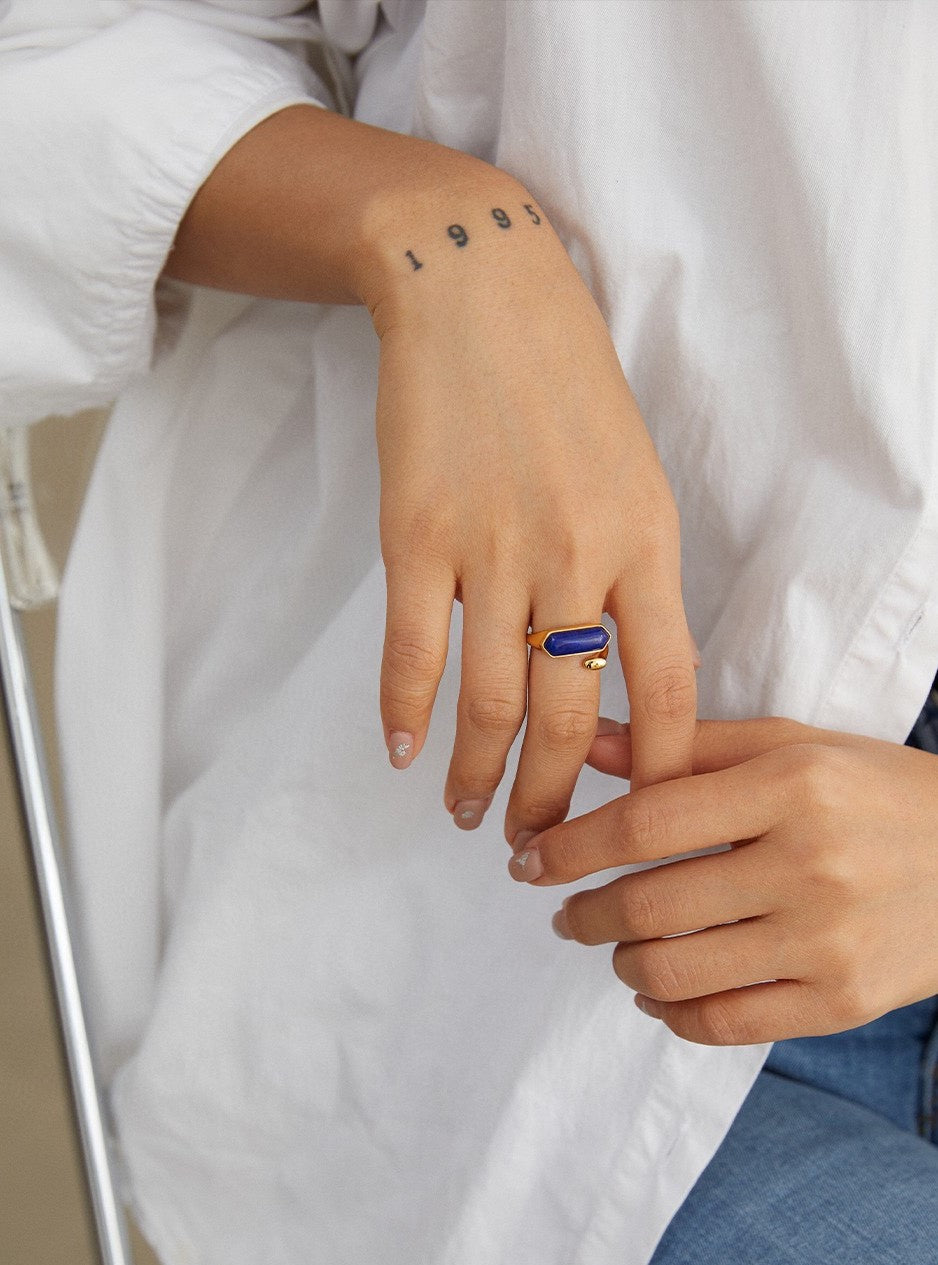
[{"x": 459, "y": 235}]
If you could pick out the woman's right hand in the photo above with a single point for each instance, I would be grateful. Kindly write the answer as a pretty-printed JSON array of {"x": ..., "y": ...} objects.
[{"x": 518, "y": 477}]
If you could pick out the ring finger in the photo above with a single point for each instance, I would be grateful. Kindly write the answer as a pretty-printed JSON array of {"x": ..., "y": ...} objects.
[
  {"x": 563, "y": 707},
  {"x": 713, "y": 961},
  {"x": 670, "y": 899}
]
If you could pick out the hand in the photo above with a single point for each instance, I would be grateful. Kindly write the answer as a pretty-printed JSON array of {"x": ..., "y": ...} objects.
[
  {"x": 823, "y": 915},
  {"x": 517, "y": 476}
]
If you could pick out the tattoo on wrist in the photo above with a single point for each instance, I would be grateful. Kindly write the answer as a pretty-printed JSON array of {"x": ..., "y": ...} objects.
[{"x": 460, "y": 236}]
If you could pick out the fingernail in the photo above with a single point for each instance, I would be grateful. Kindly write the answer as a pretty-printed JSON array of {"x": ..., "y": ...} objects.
[
  {"x": 400, "y": 749},
  {"x": 468, "y": 813},
  {"x": 606, "y": 727},
  {"x": 521, "y": 838},
  {"x": 696, "y": 650},
  {"x": 645, "y": 1005},
  {"x": 559, "y": 922},
  {"x": 527, "y": 865}
]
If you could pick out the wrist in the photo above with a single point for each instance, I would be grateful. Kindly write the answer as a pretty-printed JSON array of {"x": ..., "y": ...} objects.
[
  {"x": 315, "y": 207},
  {"x": 439, "y": 240}
]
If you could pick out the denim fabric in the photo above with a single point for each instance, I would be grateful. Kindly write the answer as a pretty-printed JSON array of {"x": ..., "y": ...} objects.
[
  {"x": 833, "y": 1157},
  {"x": 924, "y": 733}
]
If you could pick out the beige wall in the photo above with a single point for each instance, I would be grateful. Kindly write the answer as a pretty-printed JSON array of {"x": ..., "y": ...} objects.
[{"x": 44, "y": 1218}]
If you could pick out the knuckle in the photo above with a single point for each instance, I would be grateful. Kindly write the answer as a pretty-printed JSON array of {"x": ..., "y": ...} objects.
[
  {"x": 567, "y": 554},
  {"x": 670, "y": 694},
  {"x": 717, "y": 1024},
  {"x": 542, "y": 811},
  {"x": 655, "y": 523},
  {"x": 639, "y": 911},
  {"x": 495, "y": 715},
  {"x": 814, "y": 773},
  {"x": 408, "y": 656},
  {"x": 565, "y": 727},
  {"x": 640, "y": 821},
  {"x": 573, "y": 546},
  {"x": 850, "y": 1004},
  {"x": 842, "y": 981},
  {"x": 659, "y": 975},
  {"x": 836, "y": 954},
  {"x": 833, "y": 872},
  {"x": 427, "y": 524},
  {"x": 654, "y": 540}
]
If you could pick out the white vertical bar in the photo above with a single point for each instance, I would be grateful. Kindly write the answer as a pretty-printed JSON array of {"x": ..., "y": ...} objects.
[{"x": 42, "y": 830}]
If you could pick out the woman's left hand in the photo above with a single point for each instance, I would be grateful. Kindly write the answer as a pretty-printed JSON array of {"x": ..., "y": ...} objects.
[{"x": 821, "y": 917}]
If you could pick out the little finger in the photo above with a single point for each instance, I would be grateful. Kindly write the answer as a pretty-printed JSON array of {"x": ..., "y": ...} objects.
[{"x": 745, "y": 1016}]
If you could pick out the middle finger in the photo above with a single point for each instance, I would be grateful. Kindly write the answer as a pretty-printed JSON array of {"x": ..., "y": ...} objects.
[{"x": 492, "y": 695}]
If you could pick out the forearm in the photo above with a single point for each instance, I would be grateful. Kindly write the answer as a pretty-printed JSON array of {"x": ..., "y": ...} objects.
[{"x": 315, "y": 207}]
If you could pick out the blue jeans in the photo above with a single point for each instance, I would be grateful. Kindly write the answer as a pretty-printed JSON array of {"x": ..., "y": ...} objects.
[{"x": 833, "y": 1157}]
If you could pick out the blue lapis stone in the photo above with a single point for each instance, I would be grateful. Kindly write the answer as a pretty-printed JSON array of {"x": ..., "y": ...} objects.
[{"x": 577, "y": 641}]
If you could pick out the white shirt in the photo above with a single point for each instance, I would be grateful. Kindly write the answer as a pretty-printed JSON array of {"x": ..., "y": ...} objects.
[{"x": 333, "y": 1029}]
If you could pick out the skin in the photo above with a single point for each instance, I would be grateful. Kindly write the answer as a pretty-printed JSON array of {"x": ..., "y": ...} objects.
[
  {"x": 821, "y": 916},
  {"x": 502, "y": 411}
]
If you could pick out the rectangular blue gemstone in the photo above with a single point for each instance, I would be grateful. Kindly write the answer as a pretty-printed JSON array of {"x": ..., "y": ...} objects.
[{"x": 577, "y": 640}]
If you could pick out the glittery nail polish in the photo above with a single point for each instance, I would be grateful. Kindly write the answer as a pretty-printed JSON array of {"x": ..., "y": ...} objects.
[
  {"x": 526, "y": 865},
  {"x": 400, "y": 749},
  {"x": 468, "y": 813}
]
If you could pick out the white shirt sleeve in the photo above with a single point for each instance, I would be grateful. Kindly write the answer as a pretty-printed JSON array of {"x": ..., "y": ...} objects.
[{"x": 105, "y": 136}]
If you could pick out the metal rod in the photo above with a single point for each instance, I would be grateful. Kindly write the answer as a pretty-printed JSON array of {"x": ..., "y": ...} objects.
[{"x": 43, "y": 835}]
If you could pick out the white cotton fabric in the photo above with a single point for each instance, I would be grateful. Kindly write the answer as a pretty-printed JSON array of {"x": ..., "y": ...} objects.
[{"x": 333, "y": 1029}]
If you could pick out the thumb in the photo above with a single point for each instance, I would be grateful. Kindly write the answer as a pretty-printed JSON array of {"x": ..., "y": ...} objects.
[{"x": 718, "y": 744}]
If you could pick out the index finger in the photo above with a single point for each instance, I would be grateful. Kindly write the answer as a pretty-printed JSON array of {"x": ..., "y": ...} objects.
[
  {"x": 657, "y": 663},
  {"x": 656, "y": 822}
]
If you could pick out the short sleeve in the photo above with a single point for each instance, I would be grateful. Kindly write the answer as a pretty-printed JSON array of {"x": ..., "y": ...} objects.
[{"x": 105, "y": 137}]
